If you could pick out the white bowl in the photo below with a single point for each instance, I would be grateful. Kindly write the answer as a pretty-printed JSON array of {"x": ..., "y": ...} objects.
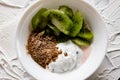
[{"x": 99, "y": 42}]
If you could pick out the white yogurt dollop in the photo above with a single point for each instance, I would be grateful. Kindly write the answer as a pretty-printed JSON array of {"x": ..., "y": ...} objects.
[{"x": 66, "y": 62}]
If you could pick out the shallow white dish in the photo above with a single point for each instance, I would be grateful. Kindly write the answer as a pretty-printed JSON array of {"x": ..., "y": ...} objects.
[{"x": 99, "y": 43}]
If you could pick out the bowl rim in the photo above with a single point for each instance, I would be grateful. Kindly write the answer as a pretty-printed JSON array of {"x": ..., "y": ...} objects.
[{"x": 37, "y": 2}]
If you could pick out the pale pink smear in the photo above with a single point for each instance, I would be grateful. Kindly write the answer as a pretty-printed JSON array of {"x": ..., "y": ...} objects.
[{"x": 86, "y": 53}]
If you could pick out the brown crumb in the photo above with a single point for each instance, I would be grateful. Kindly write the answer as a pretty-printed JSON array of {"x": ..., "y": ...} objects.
[
  {"x": 42, "y": 48},
  {"x": 65, "y": 54}
]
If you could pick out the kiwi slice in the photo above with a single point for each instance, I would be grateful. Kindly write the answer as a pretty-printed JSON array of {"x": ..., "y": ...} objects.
[
  {"x": 68, "y": 11},
  {"x": 38, "y": 20},
  {"x": 55, "y": 30},
  {"x": 77, "y": 23},
  {"x": 60, "y": 20},
  {"x": 48, "y": 31},
  {"x": 81, "y": 42},
  {"x": 86, "y": 34},
  {"x": 63, "y": 38}
]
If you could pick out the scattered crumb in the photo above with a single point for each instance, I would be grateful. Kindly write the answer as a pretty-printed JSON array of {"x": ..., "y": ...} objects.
[{"x": 65, "y": 54}]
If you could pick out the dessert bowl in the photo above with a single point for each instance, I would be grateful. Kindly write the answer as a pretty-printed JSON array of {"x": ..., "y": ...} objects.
[{"x": 99, "y": 43}]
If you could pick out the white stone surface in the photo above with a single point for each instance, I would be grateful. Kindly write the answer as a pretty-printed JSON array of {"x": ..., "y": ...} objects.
[{"x": 10, "y": 12}]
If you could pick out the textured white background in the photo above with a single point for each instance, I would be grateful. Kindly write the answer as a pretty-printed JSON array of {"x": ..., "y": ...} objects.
[{"x": 10, "y": 12}]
